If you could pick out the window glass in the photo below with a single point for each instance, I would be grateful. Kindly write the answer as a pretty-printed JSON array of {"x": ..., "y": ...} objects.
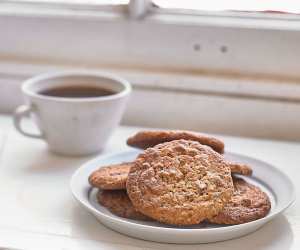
[{"x": 288, "y": 6}]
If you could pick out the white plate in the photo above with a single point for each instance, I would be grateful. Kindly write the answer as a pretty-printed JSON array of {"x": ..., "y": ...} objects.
[{"x": 275, "y": 183}]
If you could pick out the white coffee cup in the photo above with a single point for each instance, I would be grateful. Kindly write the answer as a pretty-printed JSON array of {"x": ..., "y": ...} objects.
[{"x": 73, "y": 126}]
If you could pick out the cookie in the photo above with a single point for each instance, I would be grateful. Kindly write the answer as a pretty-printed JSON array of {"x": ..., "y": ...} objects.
[
  {"x": 146, "y": 139},
  {"x": 248, "y": 203},
  {"x": 180, "y": 182},
  {"x": 118, "y": 203},
  {"x": 240, "y": 168},
  {"x": 110, "y": 177},
  {"x": 112, "y": 181}
]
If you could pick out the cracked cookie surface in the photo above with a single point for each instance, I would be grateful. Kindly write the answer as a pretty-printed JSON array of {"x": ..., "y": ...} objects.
[
  {"x": 180, "y": 182},
  {"x": 248, "y": 203},
  {"x": 236, "y": 168}
]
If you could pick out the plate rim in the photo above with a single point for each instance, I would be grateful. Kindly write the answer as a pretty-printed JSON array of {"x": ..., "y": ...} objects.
[{"x": 263, "y": 220}]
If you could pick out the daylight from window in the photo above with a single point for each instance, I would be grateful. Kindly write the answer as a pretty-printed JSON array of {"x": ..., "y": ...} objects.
[{"x": 245, "y": 5}]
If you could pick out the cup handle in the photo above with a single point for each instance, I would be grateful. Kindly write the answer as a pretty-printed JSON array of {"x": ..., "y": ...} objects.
[{"x": 20, "y": 112}]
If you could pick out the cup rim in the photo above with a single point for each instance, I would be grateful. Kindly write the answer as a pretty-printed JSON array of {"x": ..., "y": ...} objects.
[{"x": 46, "y": 76}]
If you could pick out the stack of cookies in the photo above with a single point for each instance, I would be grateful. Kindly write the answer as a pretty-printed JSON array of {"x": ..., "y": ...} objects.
[{"x": 181, "y": 178}]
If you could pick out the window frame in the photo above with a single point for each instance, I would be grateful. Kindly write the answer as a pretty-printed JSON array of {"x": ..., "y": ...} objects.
[
  {"x": 139, "y": 50},
  {"x": 109, "y": 15},
  {"x": 169, "y": 23},
  {"x": 178, "y": 22}
]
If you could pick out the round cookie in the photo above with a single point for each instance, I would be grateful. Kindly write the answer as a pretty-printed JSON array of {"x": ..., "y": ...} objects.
[
  {"x": 110, "y": 177},
  {"x": 248, "y": 203},
  {"x": 118, "y": 202},
  {"x": 240, "y": 168},
  {"x": 180, "y": 182},
  {"x": 148, "y": 138},
  {"x": 112, "y": 181}
]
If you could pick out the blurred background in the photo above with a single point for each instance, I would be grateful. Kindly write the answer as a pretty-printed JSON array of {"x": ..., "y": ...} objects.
[{"x": 221, "y": 66}]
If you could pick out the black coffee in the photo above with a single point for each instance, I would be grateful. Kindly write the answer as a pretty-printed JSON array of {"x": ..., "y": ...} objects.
[{"x": 77, "y": 91}]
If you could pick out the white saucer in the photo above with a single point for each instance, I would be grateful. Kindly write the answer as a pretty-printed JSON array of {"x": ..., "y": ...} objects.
[{"x": 275, "y": 183}]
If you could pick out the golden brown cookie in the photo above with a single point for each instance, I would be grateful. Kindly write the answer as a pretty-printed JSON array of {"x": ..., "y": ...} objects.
[
  {"x": 117, "y": 202},
  {"x": 101, "y": 181},
  {"x": 248, "y": 203},
  {"x": 240, "y": 168},
  {"x": 110, "y": 177},
  {"x": 146, "y": 139},
  {"x": 180, "y": 182}
]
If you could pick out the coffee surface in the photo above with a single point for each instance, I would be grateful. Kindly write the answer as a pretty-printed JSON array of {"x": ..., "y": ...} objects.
[{"x": 77, "y": 91}]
